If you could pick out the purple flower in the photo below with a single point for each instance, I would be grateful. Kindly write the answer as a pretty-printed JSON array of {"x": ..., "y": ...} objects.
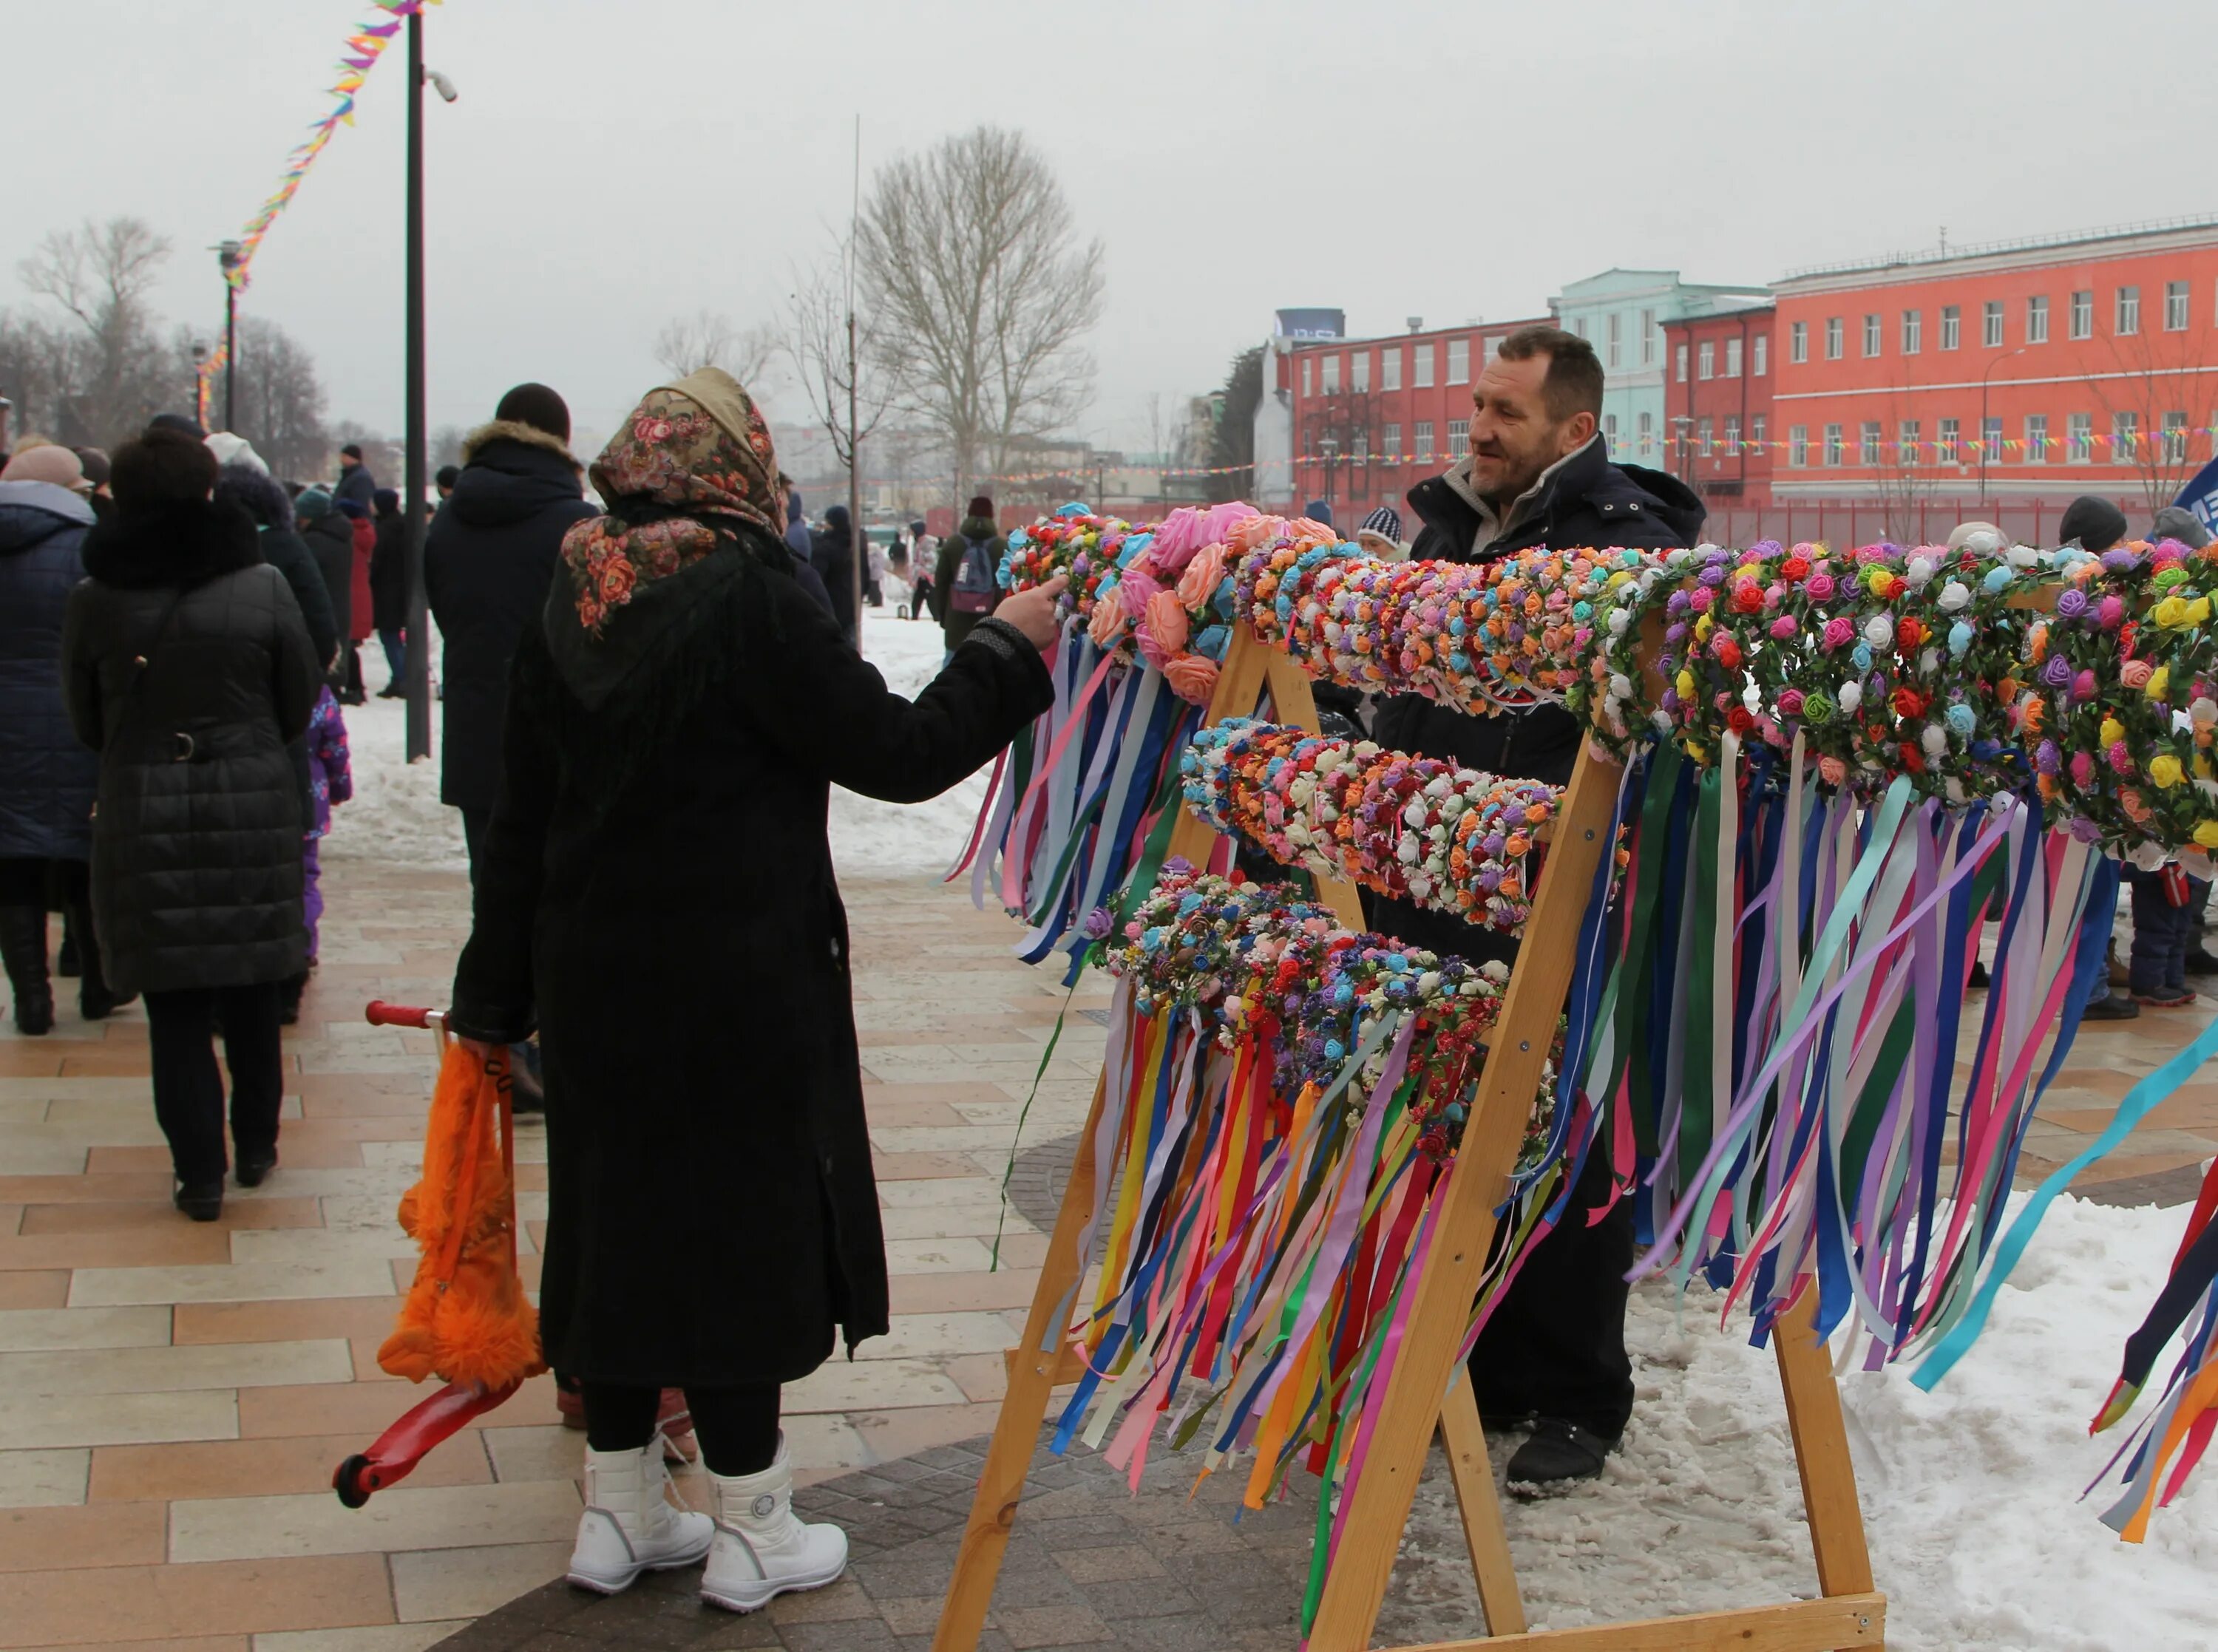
[
  {"x": 2071, "y": 602},
  {"x": 2121, "y": 562},
  {"x": 1677, "y": 604},
  {"x": 2057, "y": 673},
  {"x": 1713, "y": 574},
  {"x": 2047, "y": 758},
  {"x": 1097, "y": 924}
]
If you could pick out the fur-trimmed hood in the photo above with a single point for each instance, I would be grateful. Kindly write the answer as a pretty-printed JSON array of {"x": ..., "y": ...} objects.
[
  {"x": 510, "y": 430},
  {"x": 181, "y": 545}
]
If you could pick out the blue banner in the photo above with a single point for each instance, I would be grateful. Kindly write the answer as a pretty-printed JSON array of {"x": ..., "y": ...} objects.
[{"x": 2201, "y": 496}]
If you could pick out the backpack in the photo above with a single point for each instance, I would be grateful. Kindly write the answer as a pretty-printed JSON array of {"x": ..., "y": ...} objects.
[{"x": 975, "y": 585}]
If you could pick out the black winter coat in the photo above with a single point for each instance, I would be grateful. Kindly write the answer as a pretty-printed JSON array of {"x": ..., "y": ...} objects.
[
  {"x": 1589, "y": 501},
  {"x": 196, "y": 843},
  {"x": 356, "y": 483},
  {"x": 487, "y": 562},
  {"x": 388, "y": 574},
  {"x": 283, "y": 549},
  {"x": 832, "y": 553},
  {"x": 329, "y": 539},
  {"x": 657, "y": 879},
  {"x": 47, "y": 777}
]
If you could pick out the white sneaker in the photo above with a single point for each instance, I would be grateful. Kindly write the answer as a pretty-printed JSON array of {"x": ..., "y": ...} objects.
[
  {"x": 630, "y": 1525},
  {"x": 761, "y": 1549}
]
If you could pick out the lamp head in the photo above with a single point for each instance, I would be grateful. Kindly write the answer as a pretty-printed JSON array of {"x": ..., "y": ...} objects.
[{"x": 442, "y": 85}]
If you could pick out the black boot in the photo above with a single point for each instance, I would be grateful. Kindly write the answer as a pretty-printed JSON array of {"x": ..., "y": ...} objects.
[
  {"x": 24, "y": 951},
  {"x": 288, "y": 1002},
  {"x": 66, "y": 961},
  {"x": 1556, "y": 1451},
  {"x": 95, "y": 1000}
]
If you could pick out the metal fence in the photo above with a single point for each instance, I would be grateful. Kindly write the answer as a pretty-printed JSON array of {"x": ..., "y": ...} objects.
[{"x": 1844, "y": 523}]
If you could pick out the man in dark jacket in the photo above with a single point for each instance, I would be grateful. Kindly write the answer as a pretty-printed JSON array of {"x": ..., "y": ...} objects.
[
  {"x": 965, "y": 577},
  {"x": 329, "y": 539},
  {"x": 388, "y": 592},
  {"x": 832, "y": 553},
  {"x": 355, "y": 481},
  {"x": 1538, "y": 474},
  {"x": 487, "y": 562}
]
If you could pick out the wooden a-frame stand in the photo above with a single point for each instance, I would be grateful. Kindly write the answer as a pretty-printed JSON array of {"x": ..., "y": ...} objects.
[{"x": 1848, "y": 1612}]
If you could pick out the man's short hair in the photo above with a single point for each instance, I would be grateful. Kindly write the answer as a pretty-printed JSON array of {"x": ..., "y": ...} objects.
[
  {"x": 352, "y": 451},
  {"x": 1574, "y": 382}
]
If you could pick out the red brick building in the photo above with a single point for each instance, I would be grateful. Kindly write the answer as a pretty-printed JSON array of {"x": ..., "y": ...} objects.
[
  {"x": 1717, "y": 402},
  {"x": 2023, "y": 371},
  {"x": 1374, "y": 417}
]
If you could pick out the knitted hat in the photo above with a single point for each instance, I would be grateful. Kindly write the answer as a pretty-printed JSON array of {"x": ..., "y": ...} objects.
[
  {"x": 539, "y": 407},
  {"x": 183, "y": 422},
  {"x": 1319, "y": 512},
  {"x": 57, "y": 466},
  {"x": 312, "y": 503},
  {"x": 231, "y": 449},
  {"x": 2174, "y": 522},
  {"x": 1384, "y": 524},
  {"x": 351, "y": 507},
  {"x": 94, "y": 460},
  {"x": 352, "y": 451},
  {"x": 388, "y": 500},
  {"x": 980, "y": 506},
  {"x": 448, "y": 475},
  {"x": 2094, "y": 521},
  {"x": 163, "y": 467}
]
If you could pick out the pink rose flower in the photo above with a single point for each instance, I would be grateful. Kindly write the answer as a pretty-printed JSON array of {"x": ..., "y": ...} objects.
[
  {"x": 2135, "y": 674},
  {"x": 1107, "y": 623},
  {"x": 1192, "y": 677},
  {"x": 1163, "y": 631},
  {"x": 1202, "y": 576}
]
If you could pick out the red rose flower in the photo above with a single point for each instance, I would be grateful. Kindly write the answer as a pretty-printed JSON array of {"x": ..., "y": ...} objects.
[
  {"x": 1740, "y": 720},
  {"x": 1908, "y": 702}
]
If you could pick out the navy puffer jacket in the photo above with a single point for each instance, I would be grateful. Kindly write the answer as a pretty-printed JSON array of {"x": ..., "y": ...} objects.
[{"x": 46, "y": 778}]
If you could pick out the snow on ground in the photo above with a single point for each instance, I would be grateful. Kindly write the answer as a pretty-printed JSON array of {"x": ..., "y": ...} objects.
[
  {"x": 397, "y": 815},
  {"x": 1969, "y": 1492}
]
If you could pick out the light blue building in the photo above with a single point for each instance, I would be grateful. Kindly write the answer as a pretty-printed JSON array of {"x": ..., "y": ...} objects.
[{"x": 1622, "y": 314}]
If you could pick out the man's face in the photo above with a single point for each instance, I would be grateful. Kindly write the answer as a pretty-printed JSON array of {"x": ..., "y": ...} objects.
[
  {"x": 348, "y": 461},
  {"x": 1513, "y": 436}
]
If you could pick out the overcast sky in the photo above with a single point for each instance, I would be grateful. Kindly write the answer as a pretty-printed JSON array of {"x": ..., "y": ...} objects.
[{"x": 613, "y": 163}]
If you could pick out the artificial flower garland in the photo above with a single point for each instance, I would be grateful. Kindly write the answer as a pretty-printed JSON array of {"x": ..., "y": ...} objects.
[{"x": 1449, "y": 839}]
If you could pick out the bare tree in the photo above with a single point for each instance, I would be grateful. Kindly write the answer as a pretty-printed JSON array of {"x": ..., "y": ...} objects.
[
  {"x": 280, "y": 400},
  {"x": 706, "y": 338},
  {"x": 2157, "y": 406},
  {"x": 982, "y": 294},
  {"x": 816, "y": 343},
  {"x": 115, "y": 372}
]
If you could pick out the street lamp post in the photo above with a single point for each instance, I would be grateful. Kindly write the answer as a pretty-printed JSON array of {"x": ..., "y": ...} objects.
[
  {"x": 1986, "y": 380},
  {"x": 414, "y": 465},
  {"x": 227, "y": 255},
  {"x": 200, "y": 383}
]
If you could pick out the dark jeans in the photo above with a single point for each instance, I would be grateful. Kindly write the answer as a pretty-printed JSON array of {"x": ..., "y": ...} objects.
[
  {"x": 188, "y": 1086},
  {"x": 2157, "y": 966},
  {"x": 737, "y": 1427},
  {"x": 1555, "y": 1346},
  {"x": 396, "y": 658}
]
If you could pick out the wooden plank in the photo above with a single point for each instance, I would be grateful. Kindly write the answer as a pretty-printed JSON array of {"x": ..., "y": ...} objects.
[
  {"x": 1464, "y": 1438},
  {"x": 1821, "y": 1449},
  {"x": 1824, "y": 1625},
  {"x": 1024, "y": 1408},
  {"x": 1069, "y": 1368},
  {"x": 1356, "y": 1583}
]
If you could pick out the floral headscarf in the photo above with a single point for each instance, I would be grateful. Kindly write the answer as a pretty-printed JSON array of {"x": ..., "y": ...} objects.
[{"x": 698, "y": 447}]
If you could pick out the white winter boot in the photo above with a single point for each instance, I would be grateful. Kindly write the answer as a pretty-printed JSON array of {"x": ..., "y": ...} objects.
[
  {"x": 630, "y": 1525},
  {"x": 761, "y": 1549}
]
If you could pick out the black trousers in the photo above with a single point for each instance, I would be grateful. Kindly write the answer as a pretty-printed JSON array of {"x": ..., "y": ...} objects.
[
  {"x": 737, "y": 1427},
  {"x": 475, "y": 824},
  {"x": 188, "y": 1087},
  {"x": 1555, "y": 1346},
  {"x": 36, "y": 886}
]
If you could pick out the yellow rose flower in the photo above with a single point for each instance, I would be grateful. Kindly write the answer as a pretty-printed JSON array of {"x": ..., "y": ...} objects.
[
  {"x": 2160, "y": 683},
  {"x": 2171, "y": 613},
  {"x": 2111, "y": 731},
  {"x": 2165, "y": 770},
  {"x": 2198, "y": 611},
  {"x": 2206, "y": 833},
  {"x": 1703, "y": 627},
  {"x": 1686, "y": 685}
]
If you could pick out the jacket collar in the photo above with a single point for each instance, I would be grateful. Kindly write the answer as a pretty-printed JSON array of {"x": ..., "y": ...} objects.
[
  {"x": 1576, "y": 474},
  {"x": 179, "y": 545},
  {"x": 510, "y": 430}
]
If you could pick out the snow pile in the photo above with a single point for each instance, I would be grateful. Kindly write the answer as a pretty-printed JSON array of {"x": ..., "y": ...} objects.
[
  {"x": 1969, "y": 1492},
  {"x": 870, "y": 838},
  {"x": 396, "y": 815}
]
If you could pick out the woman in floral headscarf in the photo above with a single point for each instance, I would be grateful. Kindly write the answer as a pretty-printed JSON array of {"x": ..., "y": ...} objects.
[{"x": 657, "y": 882}]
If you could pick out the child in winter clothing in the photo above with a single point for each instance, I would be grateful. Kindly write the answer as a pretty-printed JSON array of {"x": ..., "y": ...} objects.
[{"x": 331, "y": 781}]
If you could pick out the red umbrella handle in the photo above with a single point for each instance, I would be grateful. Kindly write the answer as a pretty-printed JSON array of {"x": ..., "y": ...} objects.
[
  {"x": 401, "y": 1447},
  {"x": 379, "y": 1013}
]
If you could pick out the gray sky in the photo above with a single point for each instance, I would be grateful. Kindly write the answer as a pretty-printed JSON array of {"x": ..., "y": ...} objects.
[{"x": 612, "y": 164}]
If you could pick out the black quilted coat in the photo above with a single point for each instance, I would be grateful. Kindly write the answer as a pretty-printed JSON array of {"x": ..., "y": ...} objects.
[
  {"x": 46, "y": 778},
  {"x": 187, "y": 667}
]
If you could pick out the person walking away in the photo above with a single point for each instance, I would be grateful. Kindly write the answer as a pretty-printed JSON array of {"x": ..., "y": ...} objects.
[
  {"x": 188, "y": 668},
  {"x": 1537, "y": 473},
  {"x": 797, "y": 539},
  {"x": 968, "y": 572},
  {"x": 354, "y": 480},
  {"x": 789, "y": 512},
  {"x": 832, "y": 553},
  {"x": 445, "y": 481},
  {"x": 47, "y": 779},
  {"x": 361, "y": 611},
  {"x": 874, "y": 571},
  {"x": 388, "y": 592},
  {"x": 329, "y": 539},
  {"x": 923, "y": 557},
  {"x": 680, "y": 711},
  {"x": 487, "y": 562}
]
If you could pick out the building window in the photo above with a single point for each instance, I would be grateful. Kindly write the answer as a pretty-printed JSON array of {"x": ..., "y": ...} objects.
[
  {"x": 1952, "y": 325},
  {"x": 1648, "y": 338},
  {"x": 1390, "y": 439},
  {"x": 1458, "y": 438},
  {"x": 2079, "y": 438},
  {"x": 1871, "y": 337},
  {"x": 1580, "y": 326},
  {"x": 1833, "y": 338},
  {"x": 1609, "y": 434},
  {"x": 1798, "y": 342},
  {"x": 2125, "y": 438},
  {"x": 1913, "y": 331},
  {"x": 2175, "y": 438},
  {"x": 1833, "y": 444},
  {"x": 1732, "y": 358},
  {"x": 1732, "y": 433},
  {"x": 1908, "y": 440},
  {"x": 1308, "y": 389},
  {"x": 1798, "y": 445},
  {"x": 1358, "y": 372},
  {"x": 2037, "y": 320},
  {"x": 2175, "y": 307},
  {"x": 1616, "y": 339},
  {"x": 1680, "y": 362},
  {"x": 1422, "y": 377},
  {"x": 1492, "y": 351},
  {"x": 1868, "y": 450},
  {"x": 1702, "y": 435},
  {"x": 2129, "y": 311},
  {"x": 1755, "y": 433},
  {"x": 1424, "y": 441},
  {"x": 1991, "y": 332},
  {"x": 1389, "y": 367},
  {"x": 2083, "y": 313},
  {"x": 2036, "y": 438},
  {"x": 1329, "y": 377},
  {"x": 1458, "y": 361},
  {"x": 1991, "y": 441},
  {"x": 1944, "y": 442},
  {"x": 1707, "y": 360},
  {"x": 1762, "y": 355},
  {"x": 1647, "y": 433}
]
